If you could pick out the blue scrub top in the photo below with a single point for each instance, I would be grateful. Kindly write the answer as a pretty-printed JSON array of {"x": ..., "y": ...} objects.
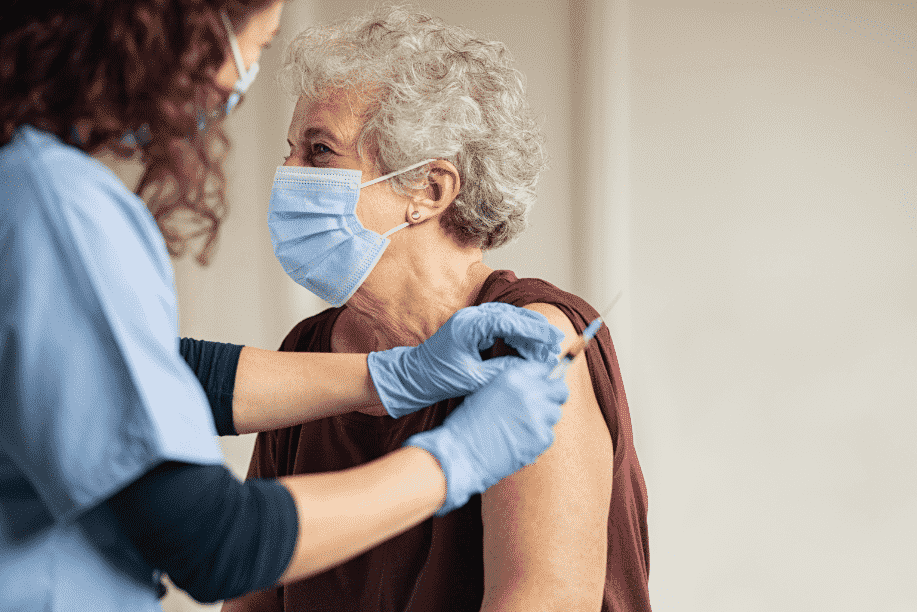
[{"x": 93, "y": 391}]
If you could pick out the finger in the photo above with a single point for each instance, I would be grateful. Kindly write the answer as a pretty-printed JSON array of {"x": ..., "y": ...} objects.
[
  {"x": 475, "y": 323},
  {"x": 502, "y": 308},
  {"x": 554, "y": 416},
  {"x": 537, "y": 371},
  {"x": 558, "y": 391},
  {"x": 505, "y": 318},
  {"x": 517, "y": 327},
  {"x": 547, "y": 440},
  {"x": 493, "y": 320},
  {"x": 490, "y": 369},
  {"x": 535, "y": 350}
]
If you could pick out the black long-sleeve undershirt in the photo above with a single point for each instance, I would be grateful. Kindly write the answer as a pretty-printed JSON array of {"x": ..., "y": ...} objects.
[
  {"x": 214, "y": 364},
  {"x": 215, "y": 537}
]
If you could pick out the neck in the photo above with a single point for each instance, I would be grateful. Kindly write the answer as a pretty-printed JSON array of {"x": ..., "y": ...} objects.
[{"x": 407, "y": 298}]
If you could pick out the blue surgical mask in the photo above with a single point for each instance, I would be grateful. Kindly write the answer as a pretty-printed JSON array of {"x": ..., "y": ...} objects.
[
  {"x": 316, "y": 234},
  {"x": 246, "y": 77}
]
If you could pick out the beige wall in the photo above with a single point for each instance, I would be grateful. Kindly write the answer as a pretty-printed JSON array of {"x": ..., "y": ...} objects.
[
  {"x": 745, "y": 171},
  {"x": 775, "y": 301}
]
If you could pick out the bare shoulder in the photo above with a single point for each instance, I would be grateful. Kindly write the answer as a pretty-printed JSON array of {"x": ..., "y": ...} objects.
[
  {"x": 558, "y": 319},
  {"x": 545, "y": 527}
]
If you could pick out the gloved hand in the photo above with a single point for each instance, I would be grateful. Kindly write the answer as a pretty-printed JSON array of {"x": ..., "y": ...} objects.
[
  {"x": 496, "y": 430},
  {"x": 448, "y": 364}
]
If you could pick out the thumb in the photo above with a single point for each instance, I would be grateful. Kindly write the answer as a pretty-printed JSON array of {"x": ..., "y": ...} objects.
[
  {"x": 559, "y": 391},
  {"x": 492, "y": 368},
  {"x": 535, "y": 350}
]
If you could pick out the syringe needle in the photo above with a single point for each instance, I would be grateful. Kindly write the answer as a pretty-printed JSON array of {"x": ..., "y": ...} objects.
[
  {"x": 612, "y": 305},
  {"x": 580, "y": 345}
]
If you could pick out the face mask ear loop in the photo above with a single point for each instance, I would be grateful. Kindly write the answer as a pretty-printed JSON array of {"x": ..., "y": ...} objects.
[
  {"x": 395, "y": 229},
  {"x": 395, "y": 173},
  {"x": 236, "y": 53}
]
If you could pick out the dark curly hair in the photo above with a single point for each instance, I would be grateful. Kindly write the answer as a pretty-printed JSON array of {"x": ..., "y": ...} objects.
[{"x": 139, "y": 67}]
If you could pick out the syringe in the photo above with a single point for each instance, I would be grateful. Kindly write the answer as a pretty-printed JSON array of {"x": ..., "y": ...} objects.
[{"x": 580, "y": 345}]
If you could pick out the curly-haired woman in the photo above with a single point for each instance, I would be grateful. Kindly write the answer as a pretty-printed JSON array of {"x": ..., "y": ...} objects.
[
  {"x": 109, "y": 474},
  {"x": 382, "y": 93}
]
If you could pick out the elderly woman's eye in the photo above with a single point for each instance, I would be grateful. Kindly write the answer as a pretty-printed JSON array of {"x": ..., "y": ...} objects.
[{"x": 320, "y": 149}]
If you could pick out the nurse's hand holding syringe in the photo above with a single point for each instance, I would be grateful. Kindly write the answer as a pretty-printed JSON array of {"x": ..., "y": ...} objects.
[{"x": 580, "y": 345}]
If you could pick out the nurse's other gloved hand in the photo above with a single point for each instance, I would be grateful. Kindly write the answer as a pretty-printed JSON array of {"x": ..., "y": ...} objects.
[
  {"x": 449, "y": 363},
  {"x": 496, "y": 430}
]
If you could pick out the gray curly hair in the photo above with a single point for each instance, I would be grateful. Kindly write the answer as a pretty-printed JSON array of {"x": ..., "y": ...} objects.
[{"x": 434, "y": 91}]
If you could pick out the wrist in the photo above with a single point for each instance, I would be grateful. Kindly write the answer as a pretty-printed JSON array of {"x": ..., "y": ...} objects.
[
  {"x": 392, "y": 377},
  {"x": 433, "y": 472},
  {"x": 451, "y": 458}
]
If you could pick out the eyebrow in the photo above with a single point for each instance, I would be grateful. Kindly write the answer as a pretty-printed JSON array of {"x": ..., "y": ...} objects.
[{"x": 316, "y": 131}]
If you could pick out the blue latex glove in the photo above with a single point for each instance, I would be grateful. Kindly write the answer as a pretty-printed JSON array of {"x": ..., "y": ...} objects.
[
  {"x": 496, "y": 430},
  {"x": 449, "y": 365}
]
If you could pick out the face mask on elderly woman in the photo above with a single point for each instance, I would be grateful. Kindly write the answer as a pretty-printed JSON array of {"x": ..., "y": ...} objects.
[{"x": 316, "y": 233}]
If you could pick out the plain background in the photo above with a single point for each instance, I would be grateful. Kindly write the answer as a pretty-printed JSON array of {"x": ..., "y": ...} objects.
[{"x": 745, "y": 172}]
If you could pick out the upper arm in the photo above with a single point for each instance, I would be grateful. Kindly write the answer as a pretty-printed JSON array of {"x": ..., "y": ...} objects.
[{"x": 545, "y": 527}]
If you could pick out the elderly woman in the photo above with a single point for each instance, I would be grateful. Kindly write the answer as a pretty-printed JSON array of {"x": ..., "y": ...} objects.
[{"x": 383, "y": 93}]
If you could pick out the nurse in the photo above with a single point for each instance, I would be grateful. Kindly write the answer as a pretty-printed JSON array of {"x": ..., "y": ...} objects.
[{"x": 109, "y": 473}]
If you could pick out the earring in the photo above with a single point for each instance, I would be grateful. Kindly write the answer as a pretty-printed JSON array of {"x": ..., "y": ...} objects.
[{"x": 415, "y": 215}]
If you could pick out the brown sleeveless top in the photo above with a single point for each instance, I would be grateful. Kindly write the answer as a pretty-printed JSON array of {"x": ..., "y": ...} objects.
[{"x": 438, "y": 565}]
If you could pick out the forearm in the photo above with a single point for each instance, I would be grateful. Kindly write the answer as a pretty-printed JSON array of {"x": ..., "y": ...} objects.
[
  {"x": 343, "y": 514},
  {"x": 279, "y": 389},
  {"x": 214, "y": 536}
]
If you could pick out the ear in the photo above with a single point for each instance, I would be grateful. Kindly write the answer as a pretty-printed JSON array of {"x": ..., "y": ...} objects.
[{"x": 443, "y": 186}]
